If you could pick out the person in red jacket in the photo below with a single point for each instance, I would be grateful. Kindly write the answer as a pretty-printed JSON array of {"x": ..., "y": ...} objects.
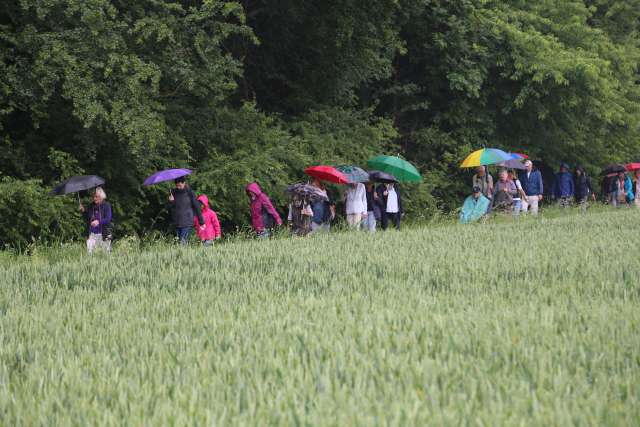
[
  {"x": 212, "y": 230},
  {"x": 263, "y": 214}
]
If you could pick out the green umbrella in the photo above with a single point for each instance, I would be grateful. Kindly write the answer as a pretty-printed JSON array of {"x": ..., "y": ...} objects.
[{"x": 400, "y": 168}]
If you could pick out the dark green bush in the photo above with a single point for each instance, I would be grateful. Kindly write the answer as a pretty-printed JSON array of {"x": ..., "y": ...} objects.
[{"x": 29, "y": 214}]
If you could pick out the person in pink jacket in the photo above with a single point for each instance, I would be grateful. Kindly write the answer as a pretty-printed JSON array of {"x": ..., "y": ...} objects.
[
  {"x": 212, "y": 230},
  {"x": 263, "y": 214}
]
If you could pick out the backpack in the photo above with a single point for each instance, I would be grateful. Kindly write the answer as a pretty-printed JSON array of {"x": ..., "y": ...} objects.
[
  {"x": 267, "y": 219},
  {"x": 107, "y": 231}
]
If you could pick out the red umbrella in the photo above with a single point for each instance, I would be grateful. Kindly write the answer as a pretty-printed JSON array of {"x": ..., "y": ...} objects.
[
  {"x": 327, "y": 173},
  {"x": 632, "y": 166}
]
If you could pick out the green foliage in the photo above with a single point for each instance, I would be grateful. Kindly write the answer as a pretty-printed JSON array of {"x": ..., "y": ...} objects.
[
  {"x": 429, "y": 326},
  {"x": 28, "y": 214},
  {"x": 252, "y": 146},
  {"x": 316, "y": 53},
  {"x": 244, "y": 90}
]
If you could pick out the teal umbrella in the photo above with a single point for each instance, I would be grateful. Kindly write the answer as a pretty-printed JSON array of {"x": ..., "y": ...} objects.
[
  {"x": 399, "y": 168},
  {"x": 353, "y": 173}
]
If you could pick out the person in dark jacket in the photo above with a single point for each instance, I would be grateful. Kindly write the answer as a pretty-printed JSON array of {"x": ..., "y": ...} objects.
[
  {"x": 532, "y": 186},
  {"x": 563, "y": 188},
  {"x": 636, "y": 187},
  {"x": 98, "y": 216},
  {"x": 391, "y": 203},
  {"x": 583, "y": 190},
  {"x": 185, "y": 208},
  {"x": 374, "y": 207},
  {"x": 324, "y": 211}
]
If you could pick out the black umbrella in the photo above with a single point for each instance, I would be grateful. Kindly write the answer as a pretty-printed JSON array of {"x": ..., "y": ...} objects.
[
  {"x": 613, "y": 169},
  {"x": 384, "y": 177},
  {"x": 307, "y": 191},
  {"x": 76, "y": 184}
]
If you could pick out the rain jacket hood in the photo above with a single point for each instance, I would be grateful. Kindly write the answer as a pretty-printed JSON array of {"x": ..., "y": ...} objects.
[
  {"x": 204, "y": 200},
  {"x": 254, "y": 188}
]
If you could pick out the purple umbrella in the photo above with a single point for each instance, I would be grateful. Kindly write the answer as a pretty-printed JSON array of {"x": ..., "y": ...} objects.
[
  {"x": 166, "y": 175},
  {"x": 512, "y": 164}
]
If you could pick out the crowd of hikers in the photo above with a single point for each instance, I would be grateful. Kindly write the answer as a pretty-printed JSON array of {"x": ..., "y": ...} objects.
[
  {"x": 366, "y": 206},
  {"x": 521, "y": 191},
  {"x": 369, "y": 204}
]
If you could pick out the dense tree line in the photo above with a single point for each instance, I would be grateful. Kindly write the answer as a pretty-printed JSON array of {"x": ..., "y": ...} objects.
[{"x": 256, "y": 89}]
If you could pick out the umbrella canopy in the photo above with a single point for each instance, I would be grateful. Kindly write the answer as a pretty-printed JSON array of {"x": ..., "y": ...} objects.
[
  {"x": 353, "y": 173},
  {"x": 632, "y": 167},
  {"x": 307, "y": 191},
  {"x": 613, "y": 170},
  {"x": 485, "y": 156},
  {"x": 515, "y": 162},
  {"x": 166, "y": 175},
  {"x": 76, "y": 184},
  {"x": 402, "y": 170},
  {"x": 327, "y": 173},
  {"x": 379, "y": 176},
  {"x": 512, "y": 164}
]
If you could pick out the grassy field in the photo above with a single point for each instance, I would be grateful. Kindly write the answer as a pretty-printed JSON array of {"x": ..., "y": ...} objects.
[{"x": 529, "y": 323}]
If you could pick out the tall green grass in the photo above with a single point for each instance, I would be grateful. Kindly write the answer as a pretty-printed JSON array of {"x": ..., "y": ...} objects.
[{"x": 533, "y": 322}]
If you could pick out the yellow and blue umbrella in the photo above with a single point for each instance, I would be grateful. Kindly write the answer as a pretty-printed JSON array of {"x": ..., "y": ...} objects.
[{"x": 485, "y": 156}]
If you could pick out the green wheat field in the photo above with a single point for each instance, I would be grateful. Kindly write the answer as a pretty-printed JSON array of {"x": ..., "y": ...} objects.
[{"x": 535, "y": 322}]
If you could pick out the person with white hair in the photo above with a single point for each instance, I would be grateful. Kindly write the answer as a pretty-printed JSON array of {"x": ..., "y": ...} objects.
[
  {"x": 532, "y": 186},
  {"x": 98, "y": 216}
]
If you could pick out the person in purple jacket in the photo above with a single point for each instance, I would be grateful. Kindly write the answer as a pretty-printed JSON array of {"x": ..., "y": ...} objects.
[
  {"x": 263, "y": 214},
  {"x": 98, "y": 216}
]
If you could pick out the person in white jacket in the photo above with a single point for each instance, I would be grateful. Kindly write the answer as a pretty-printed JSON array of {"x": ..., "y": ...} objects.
[{"x": 356, "y": 204}]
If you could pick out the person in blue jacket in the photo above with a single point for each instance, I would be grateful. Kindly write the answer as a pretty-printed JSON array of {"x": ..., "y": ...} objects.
[
  {"x": 563, "y": 188},
  {"x": 475, "y": 206},
  {"x": 621, "y": 190},
  {"x": 531, "y": 181}
]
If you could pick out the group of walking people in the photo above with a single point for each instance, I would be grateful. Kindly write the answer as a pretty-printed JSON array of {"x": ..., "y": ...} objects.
[
  {"x": 522, "y": 191},
  {"x": 368, "y": 204},
  {"x": 365, "y": 207}
]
